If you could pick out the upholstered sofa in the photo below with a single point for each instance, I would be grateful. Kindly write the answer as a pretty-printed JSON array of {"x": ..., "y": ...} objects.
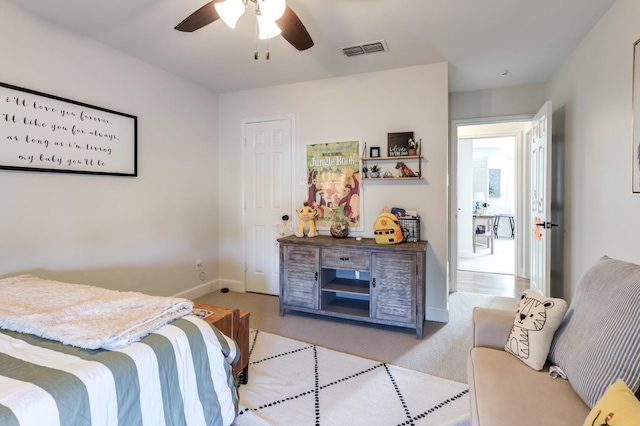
[{"x": 597, "y": 342}]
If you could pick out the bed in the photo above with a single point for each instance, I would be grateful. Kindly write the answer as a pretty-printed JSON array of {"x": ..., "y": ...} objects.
[{"x": 179, "y": 373}]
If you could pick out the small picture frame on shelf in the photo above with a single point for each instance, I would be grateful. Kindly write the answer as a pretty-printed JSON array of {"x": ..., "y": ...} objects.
[{"x": 374, "y": 152}]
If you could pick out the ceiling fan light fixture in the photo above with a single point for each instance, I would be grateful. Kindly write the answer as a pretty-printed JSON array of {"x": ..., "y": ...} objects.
[
  {"x": 272, "y": 9},
  {"x": 267, "y": 28},
  {"x": 230, "y": 11}
]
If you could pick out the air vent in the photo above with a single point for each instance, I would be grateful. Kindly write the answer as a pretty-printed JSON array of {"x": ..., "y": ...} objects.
[
  {"x": 353, "y": 51},
  {"x": 366, "y": 48}
]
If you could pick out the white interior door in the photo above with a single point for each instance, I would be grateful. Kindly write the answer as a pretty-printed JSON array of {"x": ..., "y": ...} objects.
[
  {"x": 268, "y": 189},
  {"x": 481, "y": 176},
  {"x": 541, "y": 180}
]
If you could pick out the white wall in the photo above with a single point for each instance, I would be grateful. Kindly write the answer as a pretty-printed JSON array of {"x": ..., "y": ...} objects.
[
  {"x": 125, "y": 233},
  {"x": 366, "y": 106},
  {"x": 594, "y": 88},
  {"x": 502, "y": 159},
  {"x": 518, "y": 100},
  {"x": 145, "y": 233}
]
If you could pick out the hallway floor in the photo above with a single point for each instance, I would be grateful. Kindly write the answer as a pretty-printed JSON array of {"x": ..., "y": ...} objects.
[
  {"x": 492, "y": 274},
  {"x": 502, "y": 261},
  {"x": 491, "y": 284}
]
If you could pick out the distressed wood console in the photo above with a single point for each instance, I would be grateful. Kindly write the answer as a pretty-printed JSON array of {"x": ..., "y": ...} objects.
[{"x": 357, "y": 280}]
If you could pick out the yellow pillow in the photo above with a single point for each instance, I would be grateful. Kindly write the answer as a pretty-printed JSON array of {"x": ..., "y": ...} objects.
[{"x": 617, "y": 407}]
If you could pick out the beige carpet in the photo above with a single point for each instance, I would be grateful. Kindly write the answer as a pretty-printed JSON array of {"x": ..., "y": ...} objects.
[{"x": 442, "y": 352}]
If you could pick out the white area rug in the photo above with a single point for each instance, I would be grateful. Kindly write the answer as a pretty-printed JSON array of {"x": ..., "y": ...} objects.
[{"x": 297, "y": 383}]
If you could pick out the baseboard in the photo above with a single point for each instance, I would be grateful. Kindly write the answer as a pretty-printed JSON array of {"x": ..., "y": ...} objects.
[
  {"x": 231, "y": 285},
  {"x": 437, "y": 314},
  {"x": 197, "y": 291}
]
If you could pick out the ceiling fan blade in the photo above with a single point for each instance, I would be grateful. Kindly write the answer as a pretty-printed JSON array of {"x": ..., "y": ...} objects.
[
  {"x": 294, "y": 31},
  {"x": 198, "y": 19}
]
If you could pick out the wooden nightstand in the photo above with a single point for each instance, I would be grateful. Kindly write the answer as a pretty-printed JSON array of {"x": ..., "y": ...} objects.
[{"x": 233, "y": 323}]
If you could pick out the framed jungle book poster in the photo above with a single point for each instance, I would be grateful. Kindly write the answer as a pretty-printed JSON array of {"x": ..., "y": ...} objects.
[{"x": 334, "y": 184}]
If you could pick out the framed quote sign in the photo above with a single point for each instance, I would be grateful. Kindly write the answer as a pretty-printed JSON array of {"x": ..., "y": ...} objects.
[
  {"x": 398, "y": 144},
  {"x": 45, "y": 133}
]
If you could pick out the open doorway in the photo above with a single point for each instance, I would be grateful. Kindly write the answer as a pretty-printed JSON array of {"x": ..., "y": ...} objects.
[
  {"x": 486, "y": 204},
  {"x": 489, "y": 189}
]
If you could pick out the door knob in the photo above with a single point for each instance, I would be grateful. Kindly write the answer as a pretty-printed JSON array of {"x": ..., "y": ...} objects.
[{"x": 547, "y": 225}]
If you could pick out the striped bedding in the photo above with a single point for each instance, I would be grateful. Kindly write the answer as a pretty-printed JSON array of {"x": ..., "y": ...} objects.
[{"x": 179, "y": 375}]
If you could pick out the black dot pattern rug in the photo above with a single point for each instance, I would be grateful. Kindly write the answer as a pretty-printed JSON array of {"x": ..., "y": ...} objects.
[{"x": 297, "y": 383}]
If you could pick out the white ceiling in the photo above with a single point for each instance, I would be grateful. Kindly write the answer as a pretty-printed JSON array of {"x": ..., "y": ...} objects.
[{"x": 479, "y": 38}]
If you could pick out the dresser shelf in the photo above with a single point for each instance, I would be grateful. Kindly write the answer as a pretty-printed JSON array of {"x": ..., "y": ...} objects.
[{"x": 346, "y": 285}]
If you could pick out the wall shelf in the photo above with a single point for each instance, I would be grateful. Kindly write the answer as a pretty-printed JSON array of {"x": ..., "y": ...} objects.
[
  {"x": 395, "y": 178},
  {"x": 398, "y": 158},
  {"x": 402, "y": 158}
]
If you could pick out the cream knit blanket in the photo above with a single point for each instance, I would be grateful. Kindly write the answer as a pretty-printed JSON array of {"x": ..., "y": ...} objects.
[{"x": 81, "y": 315}]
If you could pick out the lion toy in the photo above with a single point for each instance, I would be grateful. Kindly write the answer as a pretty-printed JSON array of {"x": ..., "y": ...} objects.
[
  {"x": 307, "y": 225},
  {"x": 405, "y": 171}
]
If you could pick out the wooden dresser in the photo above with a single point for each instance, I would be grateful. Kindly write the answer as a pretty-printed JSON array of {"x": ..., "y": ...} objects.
[{"x": 357, "y": 280}]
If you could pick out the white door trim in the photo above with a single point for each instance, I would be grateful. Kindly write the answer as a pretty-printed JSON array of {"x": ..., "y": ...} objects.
[
  {"x": 244, "y": 123},
  {"x": 452, "y": 254}
]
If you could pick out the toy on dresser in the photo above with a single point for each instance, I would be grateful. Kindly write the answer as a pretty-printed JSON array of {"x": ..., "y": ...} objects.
[{"x": 307, "y": 225}]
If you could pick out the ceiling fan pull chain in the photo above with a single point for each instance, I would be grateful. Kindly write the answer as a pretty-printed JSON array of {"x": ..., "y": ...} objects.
[
  {"x": 268, "y": 54},
  {"x": 255, "y": 53}
]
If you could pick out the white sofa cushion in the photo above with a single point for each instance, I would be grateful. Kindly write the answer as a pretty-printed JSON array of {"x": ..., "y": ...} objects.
[
  {"x": 598, "y": 341},
  {"x": 534, "y": 325}
]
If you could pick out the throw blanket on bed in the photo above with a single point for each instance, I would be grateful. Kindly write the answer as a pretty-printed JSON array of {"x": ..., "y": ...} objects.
[{"x": 81, "y": 315}]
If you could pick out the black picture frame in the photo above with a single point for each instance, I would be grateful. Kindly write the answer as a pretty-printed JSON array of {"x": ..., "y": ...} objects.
[
  {"x": 374, "y": 152},
  {"x": 46, "y": 133},
  {"x": 398, "y": 144}
]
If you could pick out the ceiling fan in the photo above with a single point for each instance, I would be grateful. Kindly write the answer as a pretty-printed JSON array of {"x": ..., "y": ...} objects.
[{"x": 293, "y": 30}]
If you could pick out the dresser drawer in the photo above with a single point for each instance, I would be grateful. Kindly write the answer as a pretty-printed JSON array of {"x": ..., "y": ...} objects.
[{"x": 346, "y": 259}]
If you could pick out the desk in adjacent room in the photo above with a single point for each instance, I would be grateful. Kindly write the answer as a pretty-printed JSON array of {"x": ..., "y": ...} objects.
[
  {"x": 488, "y": 230},
  {"x": 512, "y": 224}
]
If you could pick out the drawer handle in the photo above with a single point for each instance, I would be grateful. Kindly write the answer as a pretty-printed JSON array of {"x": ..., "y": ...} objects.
[
  {"x": 374, "y": 283},
  {"x": 316, "y": 277},
  {"x": 344, "y": 258}
]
